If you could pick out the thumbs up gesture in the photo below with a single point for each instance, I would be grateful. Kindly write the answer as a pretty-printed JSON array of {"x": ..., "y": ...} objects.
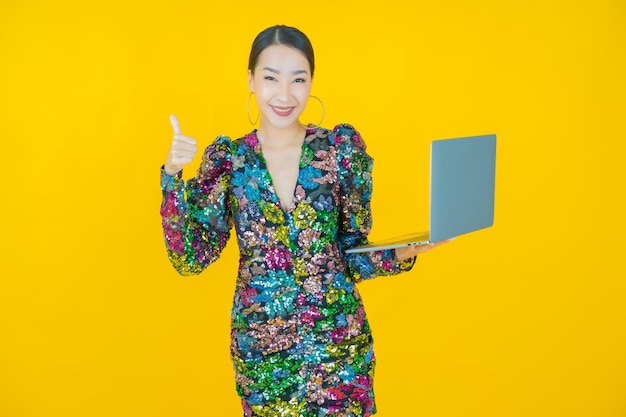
[{"x": 182, "y": 151}]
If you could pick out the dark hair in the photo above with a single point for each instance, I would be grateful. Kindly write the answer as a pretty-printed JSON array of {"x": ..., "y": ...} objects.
[{"x": 281, "y": 35}]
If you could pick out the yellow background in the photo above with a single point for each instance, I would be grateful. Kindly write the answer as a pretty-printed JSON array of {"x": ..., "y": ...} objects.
[{"x": 527, "y": 318}]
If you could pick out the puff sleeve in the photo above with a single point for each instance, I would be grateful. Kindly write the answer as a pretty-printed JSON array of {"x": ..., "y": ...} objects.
[
  {"x": 196, "y": 216},
  {"x": 355, "y": 178}
]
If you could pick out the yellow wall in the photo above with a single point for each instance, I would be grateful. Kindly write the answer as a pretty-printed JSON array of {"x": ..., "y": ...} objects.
[{"x": 524, "y": 319}]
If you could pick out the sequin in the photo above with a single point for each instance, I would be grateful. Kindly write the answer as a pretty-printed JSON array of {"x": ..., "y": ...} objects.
[{"x": 301, "y": 344}]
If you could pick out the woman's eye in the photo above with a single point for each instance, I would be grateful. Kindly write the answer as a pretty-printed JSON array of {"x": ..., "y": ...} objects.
[
  {"x": 300, "y": 80},
  {"x": 269, "y": 78}
]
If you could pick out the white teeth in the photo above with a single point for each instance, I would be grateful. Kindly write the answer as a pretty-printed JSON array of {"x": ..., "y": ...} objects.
[{"x": 282, "y": 110}]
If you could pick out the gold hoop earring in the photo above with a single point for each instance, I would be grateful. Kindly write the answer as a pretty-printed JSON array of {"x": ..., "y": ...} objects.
[
  {"x": 250, "y": 118},
  {"x": 323, "y": 109}
]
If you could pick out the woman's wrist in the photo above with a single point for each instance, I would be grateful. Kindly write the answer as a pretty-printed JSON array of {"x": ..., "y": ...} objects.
[{"x": 171, "y": 171}]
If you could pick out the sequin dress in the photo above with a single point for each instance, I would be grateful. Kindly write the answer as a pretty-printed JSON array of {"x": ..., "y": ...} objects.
[{"x": 301, "y": 344}]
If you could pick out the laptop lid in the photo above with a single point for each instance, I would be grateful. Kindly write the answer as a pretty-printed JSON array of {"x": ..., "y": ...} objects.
[{"x": 462, "y": 188}]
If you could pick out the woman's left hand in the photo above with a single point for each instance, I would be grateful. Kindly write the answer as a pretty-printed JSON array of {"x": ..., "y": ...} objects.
[{"x": 407, "y": 252}]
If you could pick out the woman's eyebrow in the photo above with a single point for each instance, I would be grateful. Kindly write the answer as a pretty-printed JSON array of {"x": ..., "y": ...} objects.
[{"x": 296, "y": 72}]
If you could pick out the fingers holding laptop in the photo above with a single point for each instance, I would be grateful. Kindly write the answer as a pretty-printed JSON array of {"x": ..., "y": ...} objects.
[{"x": 408, "y": 252}]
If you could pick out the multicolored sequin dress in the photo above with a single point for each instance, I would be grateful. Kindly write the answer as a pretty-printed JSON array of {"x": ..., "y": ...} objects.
[{"x": 301, "y": 344}]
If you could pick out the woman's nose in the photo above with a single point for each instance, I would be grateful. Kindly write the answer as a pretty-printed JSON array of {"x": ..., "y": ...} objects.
[{"x": 284, "y": 91}]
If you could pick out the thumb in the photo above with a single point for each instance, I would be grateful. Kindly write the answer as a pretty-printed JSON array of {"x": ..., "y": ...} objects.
[{"x": 175, "y": 125}]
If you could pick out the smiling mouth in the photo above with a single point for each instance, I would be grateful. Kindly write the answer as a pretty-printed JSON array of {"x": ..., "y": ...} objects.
[{"x": 282, "y": 111}]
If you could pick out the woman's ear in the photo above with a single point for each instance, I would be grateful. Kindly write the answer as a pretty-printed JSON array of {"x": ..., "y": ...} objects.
[{"x": 251, "y": 81}]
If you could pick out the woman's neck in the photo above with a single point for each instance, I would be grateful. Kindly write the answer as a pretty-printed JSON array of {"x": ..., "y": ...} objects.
[{"x": 271, "y": 136}]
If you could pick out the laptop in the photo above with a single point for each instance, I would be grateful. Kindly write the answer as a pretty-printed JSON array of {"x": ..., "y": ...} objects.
[{"x": 462, "y": 190}]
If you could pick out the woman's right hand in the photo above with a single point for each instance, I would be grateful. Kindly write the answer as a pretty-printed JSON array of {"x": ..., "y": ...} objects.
[
  {"x": 182, "y": 151},
  {"x": 407, "y": 252}
]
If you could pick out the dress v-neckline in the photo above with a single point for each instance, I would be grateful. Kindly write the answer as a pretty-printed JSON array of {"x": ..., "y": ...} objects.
[{"x": 294, "y": 194}]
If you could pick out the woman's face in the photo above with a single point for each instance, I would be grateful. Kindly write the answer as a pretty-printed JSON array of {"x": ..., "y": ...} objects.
[{"x": 282, "y": 85}]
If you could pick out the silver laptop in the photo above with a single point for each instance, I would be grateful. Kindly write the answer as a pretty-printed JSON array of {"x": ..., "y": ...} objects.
[{"x": 462, "y": 190}]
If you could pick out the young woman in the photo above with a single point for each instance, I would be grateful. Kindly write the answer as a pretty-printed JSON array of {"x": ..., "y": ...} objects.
[{"x": 298, "y": 197}]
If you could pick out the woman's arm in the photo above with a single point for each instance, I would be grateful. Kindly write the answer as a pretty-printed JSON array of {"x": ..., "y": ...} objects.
[
  {"x": 355, "y": 176},
  {"x": 196, "y": 216}
]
